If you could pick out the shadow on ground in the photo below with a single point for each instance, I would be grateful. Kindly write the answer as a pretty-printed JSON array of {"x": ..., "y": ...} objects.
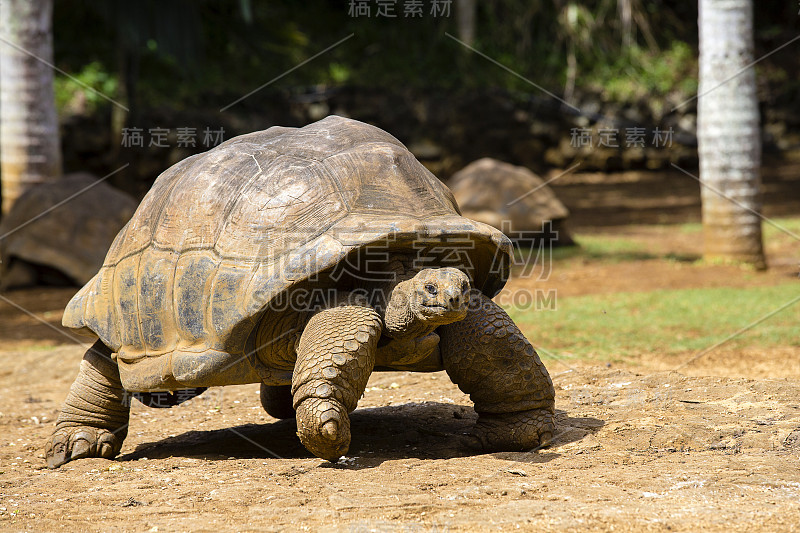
[{"x": 429, "y": 430}]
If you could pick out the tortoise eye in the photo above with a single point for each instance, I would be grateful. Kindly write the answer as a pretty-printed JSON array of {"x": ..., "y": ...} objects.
[{"x": 431, "y": 288}]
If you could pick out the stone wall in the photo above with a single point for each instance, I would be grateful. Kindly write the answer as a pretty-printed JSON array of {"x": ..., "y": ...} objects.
[{"x": 444, "y": 130}]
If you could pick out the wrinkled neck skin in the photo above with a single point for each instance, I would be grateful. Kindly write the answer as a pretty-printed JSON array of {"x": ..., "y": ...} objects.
[
  {"x": 393, "y": 300},
  {"x": 400, "y": 319}
]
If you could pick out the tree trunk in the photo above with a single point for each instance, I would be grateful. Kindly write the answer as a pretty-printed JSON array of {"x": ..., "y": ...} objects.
[
  {"x": 728, "y": 136},
  {"x": 29, "y": 145},
  {"x": 625, "y": 11},
  {"x": 465, "y": 20}
]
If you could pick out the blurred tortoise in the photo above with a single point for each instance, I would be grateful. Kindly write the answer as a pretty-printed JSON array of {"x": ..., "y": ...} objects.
[
  {"x": 494, "y": 192},
  {"x": 301, "y": 259},
  {"x": 57, "y": 233}
]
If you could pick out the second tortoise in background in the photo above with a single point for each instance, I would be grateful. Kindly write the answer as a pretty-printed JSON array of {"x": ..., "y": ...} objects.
[
  {"x": 58, "y": 232},
  {"x": 494, "y": 192}
]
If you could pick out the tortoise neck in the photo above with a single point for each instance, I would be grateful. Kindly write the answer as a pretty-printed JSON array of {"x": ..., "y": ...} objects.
[
  {"x": 394, "y": 296},
  {"x": 381, "y": 282},
  {"x": 402, "y": 268},
  {"x": 399, "y": 318}
]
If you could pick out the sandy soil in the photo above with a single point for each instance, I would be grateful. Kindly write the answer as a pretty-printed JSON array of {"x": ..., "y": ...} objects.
[
  {"x": 714, "y": 447},
  {"x": 634, "y": 452},
  {"x": 638, "y": 448}
]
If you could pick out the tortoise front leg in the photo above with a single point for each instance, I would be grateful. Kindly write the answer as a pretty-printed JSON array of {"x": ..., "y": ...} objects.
[
  {"x": 490, "y": 359},
  {"x": 335, "y": 357},
  {"x": 94, "y": 419}
]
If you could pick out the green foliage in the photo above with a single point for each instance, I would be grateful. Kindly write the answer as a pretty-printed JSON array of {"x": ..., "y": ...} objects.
[
  {"x": 638, "y": 73},
  {"x": 339, "y": 73},
  {"x": 196, "y": 51},
  {"x": 203, "y": 52},
  {"x": 70, "y": 91}
]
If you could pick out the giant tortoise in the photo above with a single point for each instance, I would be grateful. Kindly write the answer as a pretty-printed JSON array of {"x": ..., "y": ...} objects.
[
  {"x": 495, "y": 192},
  {"x": 301, "y": 259},
  {"x": 58, "y": 232}
]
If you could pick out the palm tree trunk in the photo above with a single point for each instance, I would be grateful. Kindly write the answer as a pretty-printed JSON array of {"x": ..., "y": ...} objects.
[
  {"x": 465, "y": 20},
  {"x": 29, "y": 145},
  {"x": 728, "y": 135}
]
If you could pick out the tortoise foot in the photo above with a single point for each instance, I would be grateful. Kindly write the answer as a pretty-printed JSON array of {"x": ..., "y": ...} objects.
[
  {"x": 78, "y": 442},
  {"x": 519, "y": 431},
  {"x": 324, "y": 428}
]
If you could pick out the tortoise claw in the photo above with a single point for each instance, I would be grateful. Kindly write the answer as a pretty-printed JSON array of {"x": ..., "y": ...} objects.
[
  {"x": 56, "y": 453},
  {"x": 68, "y": 444},
  {"x": 81, "y": 448},
  {"x": 324, "y": 428}
]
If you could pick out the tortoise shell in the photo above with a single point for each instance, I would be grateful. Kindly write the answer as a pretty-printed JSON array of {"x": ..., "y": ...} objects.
[
  {"x": 71, "y": 238},
  {"x": 495, "y": 192},
  {"x": 224, "y": 233}
]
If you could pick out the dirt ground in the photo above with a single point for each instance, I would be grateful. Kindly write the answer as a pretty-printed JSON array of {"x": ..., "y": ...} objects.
[{"x": 640, "y": 447}]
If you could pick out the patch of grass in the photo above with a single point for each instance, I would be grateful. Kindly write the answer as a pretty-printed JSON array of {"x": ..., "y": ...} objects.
[
  {"x": 40, "y": 347},
  {"x": 770, "y": 231},
  {"x": 604, "y": 247},
  {"x": 591, "y": 248},
  {"x": 791, "y": 224},
  {"x": 614, "y": 326},
  {"x": 690, "y": 228},
  {"x": 610, "y": 248}
]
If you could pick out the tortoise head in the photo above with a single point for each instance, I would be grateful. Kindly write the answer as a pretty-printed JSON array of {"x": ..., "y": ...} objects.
[{"x": 433, "y": 297}]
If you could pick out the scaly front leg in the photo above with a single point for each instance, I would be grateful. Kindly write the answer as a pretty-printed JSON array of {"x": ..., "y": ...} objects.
[
  {"x": 94, "y": 419},
  {"x": 335, "y": 357},
  {"x": 490, "y": 359}
]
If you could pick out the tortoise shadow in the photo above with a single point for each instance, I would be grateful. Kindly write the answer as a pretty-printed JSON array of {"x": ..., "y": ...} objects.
[{"x": 427, "y": 430}]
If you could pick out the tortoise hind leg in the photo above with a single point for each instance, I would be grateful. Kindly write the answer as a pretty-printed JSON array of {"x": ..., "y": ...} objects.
[
  {"x": 94, "y": 419},
  {"x": 277, "y": 401},
  {"x": 487, "y": 356},
  {"x": 335, "y": 358}
]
